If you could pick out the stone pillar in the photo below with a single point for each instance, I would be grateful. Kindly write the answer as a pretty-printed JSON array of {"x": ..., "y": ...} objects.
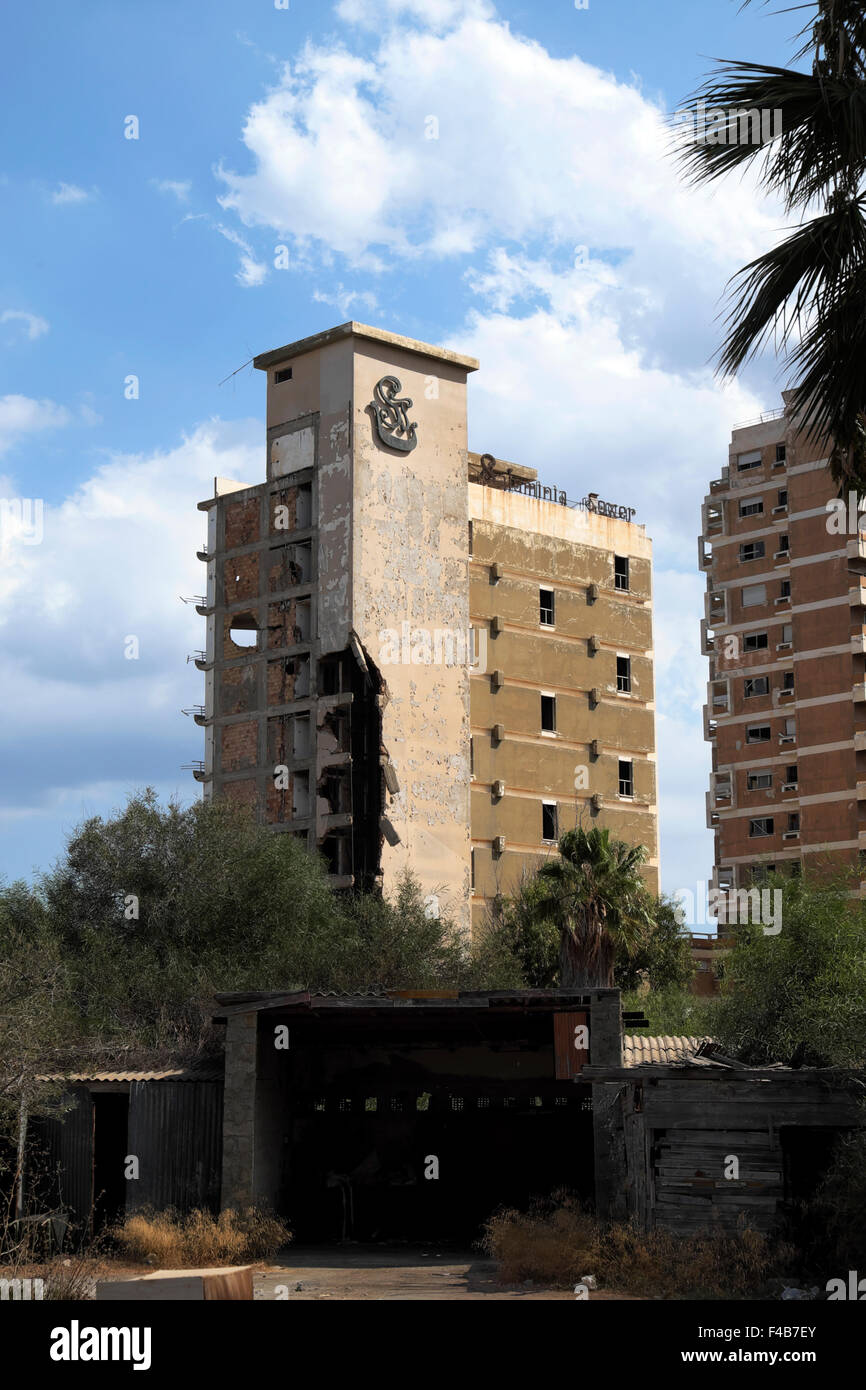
[
  {"x": 605, "y": 1029},
  {"x": 239, "y": 1111}
]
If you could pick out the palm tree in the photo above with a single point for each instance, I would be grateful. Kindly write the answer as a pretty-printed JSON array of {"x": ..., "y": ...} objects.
[
  {"x": 597, "y": 897},
  {"x": 808, "y": 294}
]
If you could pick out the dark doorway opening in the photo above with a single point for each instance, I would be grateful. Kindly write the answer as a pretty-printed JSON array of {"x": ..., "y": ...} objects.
[
  {"x": 432, "y": 1167},
  {"x": 807, "y": 1153},
  {"x": 110, "y": 1124}
]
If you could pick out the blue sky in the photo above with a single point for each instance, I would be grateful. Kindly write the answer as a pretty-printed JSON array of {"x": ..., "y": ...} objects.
[{"x": 307, "y": 128}]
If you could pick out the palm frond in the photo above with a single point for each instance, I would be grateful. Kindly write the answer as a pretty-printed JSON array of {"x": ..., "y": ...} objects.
[{"x": 823, "y": 129}]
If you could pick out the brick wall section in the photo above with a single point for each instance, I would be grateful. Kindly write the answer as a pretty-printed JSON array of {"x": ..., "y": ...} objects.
[
  {"x": 243, "y": 793},
  {"x": 239, "y": 746},
  {"x": 231, "y": 648},
  {"x": 280, "y": 738},
  {"x": 242, "y": 523},
  {"x": 241, "y": 578},
  {"x": 279, "y": 802},
  {"x": 237, "y": 690},
  {"x": 282, "y": 622},
  {"x": 282, "y": 571},
  {"x": 281, "y": 682},
  {"x": 286, "y": 497}
]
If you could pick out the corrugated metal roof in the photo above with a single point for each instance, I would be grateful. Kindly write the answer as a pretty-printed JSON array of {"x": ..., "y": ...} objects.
[
  {"x": 638, "y": 1050},
  {"x": 170, "y": 1074},
  {"x": 253, "y": 1001}
]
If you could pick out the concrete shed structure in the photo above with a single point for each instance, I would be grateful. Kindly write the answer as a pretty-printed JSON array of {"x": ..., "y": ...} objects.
[{"x": 400, "y": 1116}]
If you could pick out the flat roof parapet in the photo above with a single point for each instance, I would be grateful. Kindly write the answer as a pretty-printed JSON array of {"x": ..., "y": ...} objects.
[{"x": 361, "y": 330}]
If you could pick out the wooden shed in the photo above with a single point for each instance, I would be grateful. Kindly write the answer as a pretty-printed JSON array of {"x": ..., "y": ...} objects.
[{"x": 690, "y": 1143}]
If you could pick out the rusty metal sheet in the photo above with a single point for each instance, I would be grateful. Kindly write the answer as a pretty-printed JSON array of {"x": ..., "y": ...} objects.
[{"x": 569, "y": 1059}]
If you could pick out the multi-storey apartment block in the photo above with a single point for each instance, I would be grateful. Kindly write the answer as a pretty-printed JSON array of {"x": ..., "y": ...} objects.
[
  {"x": 563, "y": 717},
  {"x": 784, "y": 632},
  {"x": 409, "y": 663}
]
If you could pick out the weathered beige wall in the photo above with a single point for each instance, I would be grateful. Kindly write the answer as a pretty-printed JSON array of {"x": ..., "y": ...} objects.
[
  {"x": 409, "y": 564},
  {"x": 542, "y": 544}
]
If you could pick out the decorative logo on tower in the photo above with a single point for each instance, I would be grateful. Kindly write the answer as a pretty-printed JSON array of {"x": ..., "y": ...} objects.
[{"x": 392, "y": 422}]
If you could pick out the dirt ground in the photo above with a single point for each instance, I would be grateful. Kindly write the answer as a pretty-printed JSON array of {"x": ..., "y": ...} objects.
[
  {"x": 394, "y": 1274},
  {"x": 349, "y": 1272}
]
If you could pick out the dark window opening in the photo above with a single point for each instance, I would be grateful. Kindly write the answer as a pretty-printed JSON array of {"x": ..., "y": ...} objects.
[
  {"x": 623, "y": 673},
  {"x": 761, "y": 827},
  {"x": 549, "y": 821},
  {"x": 284, "y": 374},
  {"x": 548, "y": 714},
  {"x": 758, "y": 733},
  {"x": 332, "y": 675},
  {"x": 337, "y": 851},
  {"x": 335, "y": 787},
  {"x": 626, "y": 777},
  {"x": 546, "y": 607},
  {"x": 759, "y": 781},
  {"x": 760, "y": 873},
  {"x": 753, "y": 550},
  {"x": 620, "y": 572}
]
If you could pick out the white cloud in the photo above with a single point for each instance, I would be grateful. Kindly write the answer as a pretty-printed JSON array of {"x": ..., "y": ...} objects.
[
  {"x": 70, "y": 193},
  {"x": 114, "y": 559},
  {"x": 21, "y": 415},
  {"x": 344, "y": 300},
  {"x": 252, "y": 272},
  {"x": 559, "y": 391},
  {"x": 178, "y": 188},
  {"x": 527, "y": 146},
  {"x": 33, "y": 325}
]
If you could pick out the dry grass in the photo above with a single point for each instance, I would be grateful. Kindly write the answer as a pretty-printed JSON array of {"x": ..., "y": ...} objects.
[
  {"x": 556, "y": 1243},
  {"x": 169, "y": 1240}
]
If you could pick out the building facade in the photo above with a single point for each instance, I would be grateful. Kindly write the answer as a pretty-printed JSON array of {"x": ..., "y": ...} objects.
[
  {"x": 784, "y": 633},
  {"x": 409, "y": 664},
  {"x": 563, "y": 716}
]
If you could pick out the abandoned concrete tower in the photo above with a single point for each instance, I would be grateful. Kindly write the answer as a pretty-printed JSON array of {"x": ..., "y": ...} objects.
[{"x": 418, "y": 656}]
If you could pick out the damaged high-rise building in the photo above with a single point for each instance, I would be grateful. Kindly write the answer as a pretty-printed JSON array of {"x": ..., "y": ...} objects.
[{"x": 418, "y": 657}]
